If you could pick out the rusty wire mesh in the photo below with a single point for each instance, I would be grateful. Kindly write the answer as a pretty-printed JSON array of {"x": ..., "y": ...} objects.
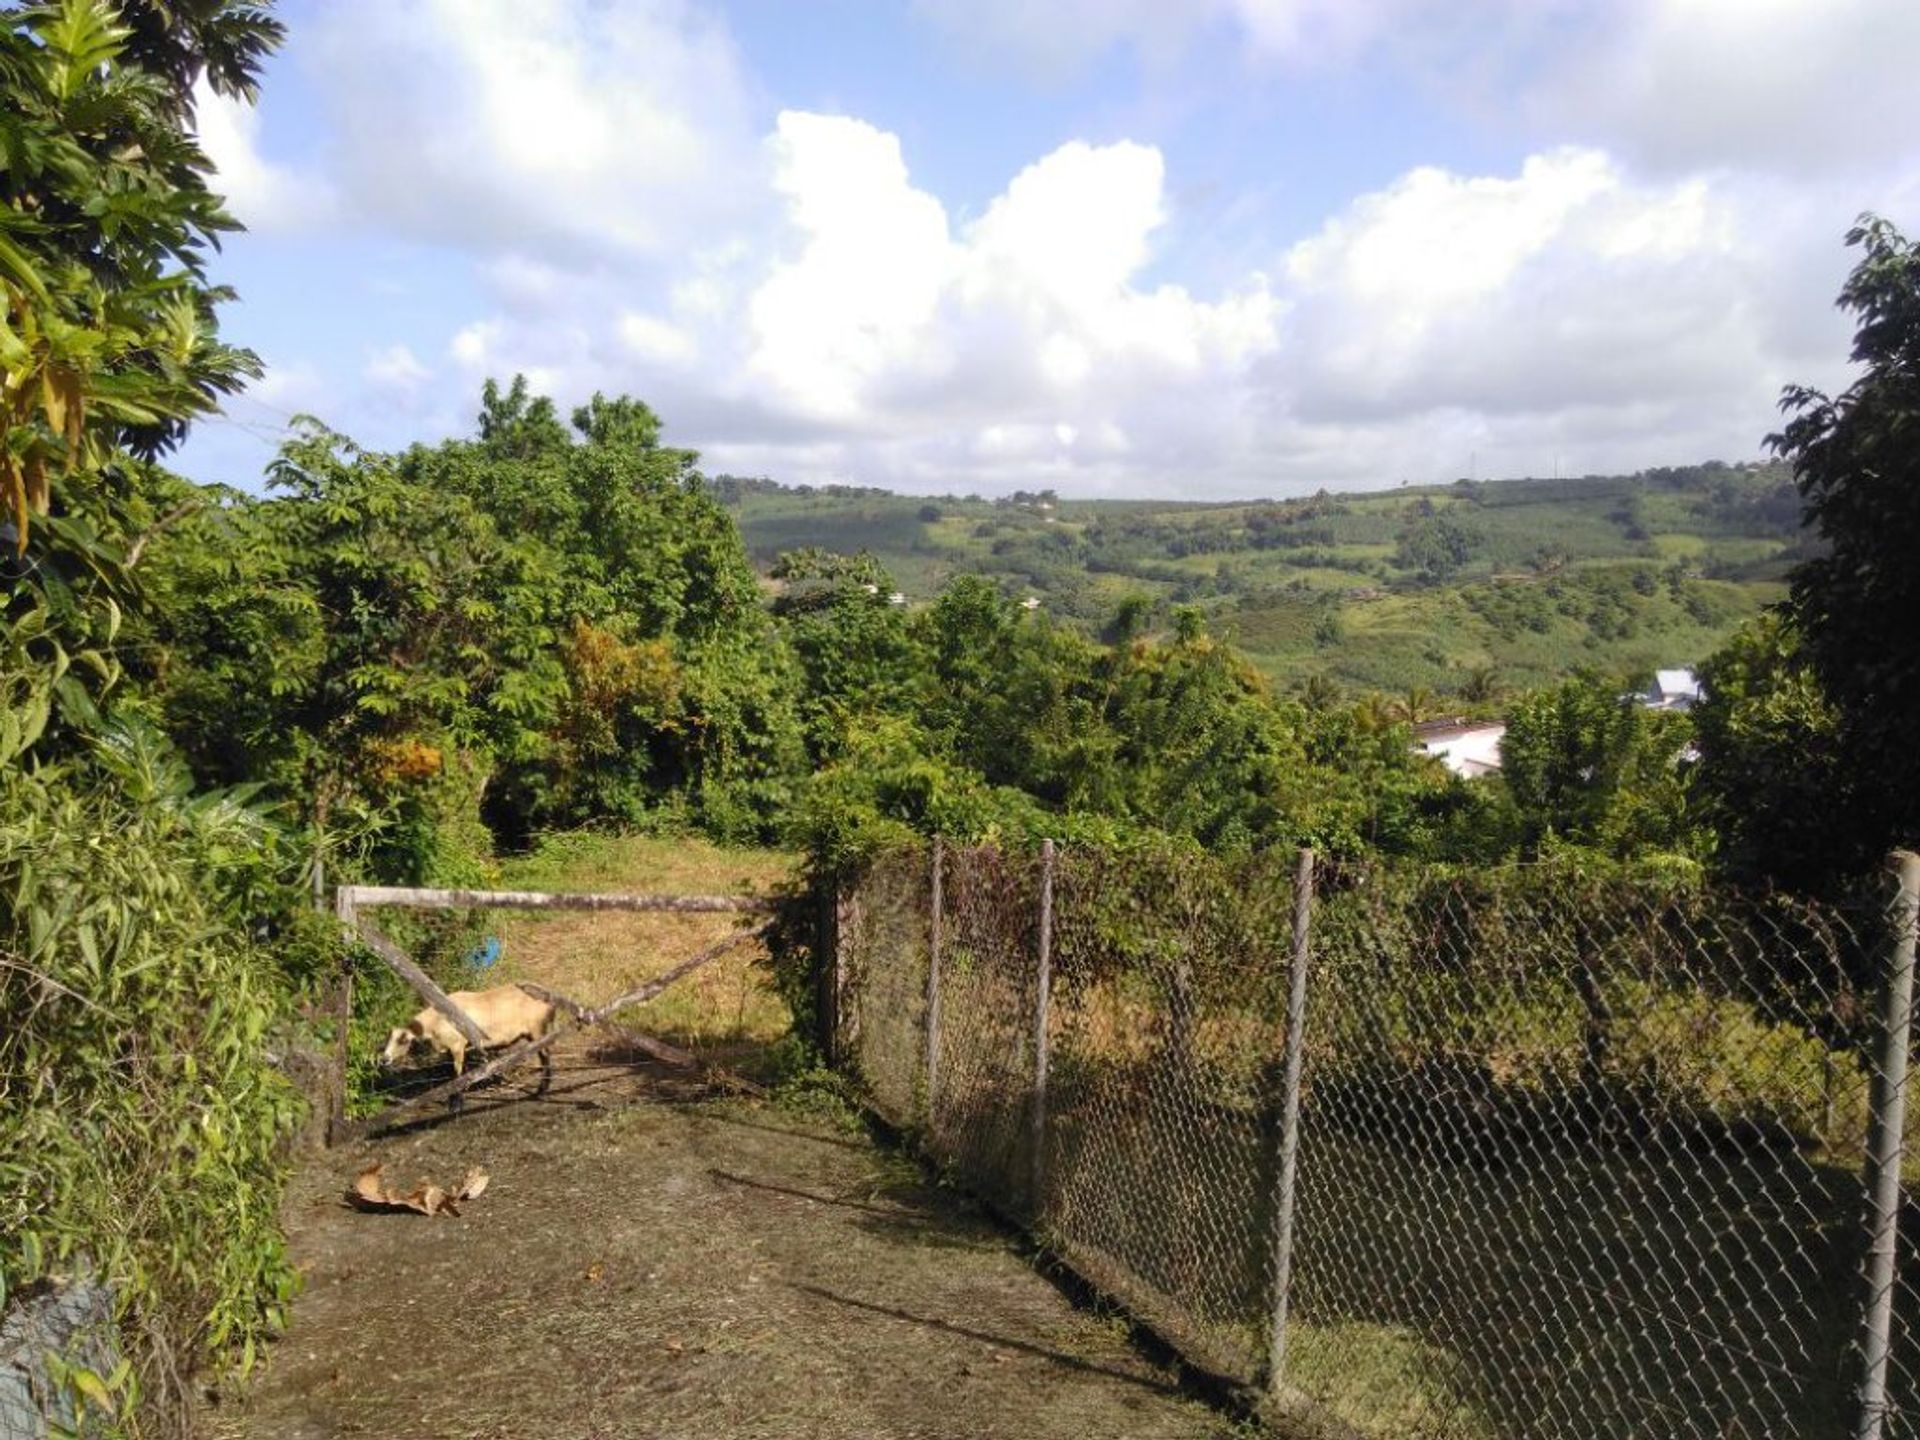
[
  {"x": 980, "y": 1122},
  {"x": 1577, "y": 1157},
  {"x": 883, "y": 953}
]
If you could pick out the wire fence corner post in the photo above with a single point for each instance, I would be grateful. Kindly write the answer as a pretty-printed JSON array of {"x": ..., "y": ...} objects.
[
  {"x": 1885, "y": 1144},
  {"x": 935, "y": 919},
  {"x": 1043, "y": 993},
  {"x": 1290, "y": 1122}
]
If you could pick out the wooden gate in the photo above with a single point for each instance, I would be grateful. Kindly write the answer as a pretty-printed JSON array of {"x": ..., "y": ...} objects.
[{"x": 351, "y": 902}]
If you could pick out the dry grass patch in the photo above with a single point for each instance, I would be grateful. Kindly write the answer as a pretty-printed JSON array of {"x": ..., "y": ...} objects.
[{"x": 592, "y": 957}]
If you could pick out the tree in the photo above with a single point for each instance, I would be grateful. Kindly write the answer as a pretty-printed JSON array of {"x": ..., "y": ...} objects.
[
  {"x": 561, "y": 620},
  {"x": 109, "y": 341},
  {"x": 1771, "y": 778},
  {"x": 856, "y": 655},
  {"x": 1856, "y": 461},
  {"x": 1481, "y": 686},
  {"x": 1588, "y": 765},
  {"x": 1435, "y": 547},
  {"x": 1414, "y": 705},
  {"x": 108, "y": 337}
]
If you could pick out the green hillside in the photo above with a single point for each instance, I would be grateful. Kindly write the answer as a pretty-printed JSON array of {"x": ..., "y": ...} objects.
[{"x": 1386, "y": 590}]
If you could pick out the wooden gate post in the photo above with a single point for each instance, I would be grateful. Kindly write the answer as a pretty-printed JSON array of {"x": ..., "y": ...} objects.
[{"x": 342, "y": 1023}]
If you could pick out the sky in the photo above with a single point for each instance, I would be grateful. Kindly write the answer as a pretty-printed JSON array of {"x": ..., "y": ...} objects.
[{"x": 1172, "y": 248}]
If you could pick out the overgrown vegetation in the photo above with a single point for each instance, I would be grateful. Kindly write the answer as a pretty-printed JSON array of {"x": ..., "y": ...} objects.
[
  {"x": 141, "y": 961},
  {"x": 401, "y": 667},
  {"x": 1383, "y": 590}
]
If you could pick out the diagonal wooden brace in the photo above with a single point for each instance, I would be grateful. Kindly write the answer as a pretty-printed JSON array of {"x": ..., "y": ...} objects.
[
  {"x": 526, "y": 1049},
  {"x": 365, "y": 932}
]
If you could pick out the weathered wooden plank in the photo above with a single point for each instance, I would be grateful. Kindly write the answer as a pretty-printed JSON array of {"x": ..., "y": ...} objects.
[
  {"x": 554, "y": 998},
  {"x": 402, "y": 964},
  {"x": 512, "y": 1056},
  {"x": 365, "y": 896},
  {"x": 653, "y": 987}
]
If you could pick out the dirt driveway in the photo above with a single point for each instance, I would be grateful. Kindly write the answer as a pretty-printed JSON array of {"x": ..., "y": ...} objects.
[{"x": 645, "y": 1266}]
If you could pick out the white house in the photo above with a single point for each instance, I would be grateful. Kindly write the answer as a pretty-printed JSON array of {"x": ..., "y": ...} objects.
[
  {"x": 1672, "y": 690},
  {"x": 1466, "y": 747}
]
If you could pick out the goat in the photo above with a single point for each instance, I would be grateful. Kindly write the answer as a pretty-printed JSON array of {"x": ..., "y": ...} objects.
[{"x": 505, "y": 1014}]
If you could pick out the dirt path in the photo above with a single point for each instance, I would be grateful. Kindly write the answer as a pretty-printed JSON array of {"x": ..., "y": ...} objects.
[{"x": 644, "y": 1267}]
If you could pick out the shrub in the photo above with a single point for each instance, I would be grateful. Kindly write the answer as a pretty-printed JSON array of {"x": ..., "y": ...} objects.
[{"x": 140, "y": 1125}]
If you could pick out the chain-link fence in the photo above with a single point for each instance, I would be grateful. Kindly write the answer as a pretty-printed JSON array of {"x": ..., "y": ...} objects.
[{"x": 1550, "y": 1155}]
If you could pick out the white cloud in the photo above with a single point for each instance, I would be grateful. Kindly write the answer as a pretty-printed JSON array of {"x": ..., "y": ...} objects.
[
  {"x": 1562, "y": 285},
  {"x": 396, "y": 367},
  {"x": 476, "y": 346},
  {"x": 262, "y": 195},
  {"x": 1022, "y": 333},
  {"x": 1771, "y": 84},
  {"x": 1571, "y": 311},
  {"x": 652, "y": 339},
  {"x": 870, "y": 259},
  {"x": 536, "y": 125},
  {"x": 797, "y": 303}
]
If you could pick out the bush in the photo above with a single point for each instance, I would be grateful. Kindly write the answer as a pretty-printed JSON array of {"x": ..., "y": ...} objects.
[{"x": 140, "y": 1125}]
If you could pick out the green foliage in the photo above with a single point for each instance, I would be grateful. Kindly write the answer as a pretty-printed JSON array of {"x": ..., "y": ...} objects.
[
  {"x": 1435, "y": 547},
  {"x": 975, "y": 719},
  {"x": 1589, "y": 766},
  {"x": 146, "y": 939},
  {"x": 556, "y": 623},
  {"x": 107, "y": 334},
  {"x": 1857, "y": 467},
  {"x": 1322, "y": 584},
  {"x": 140, "y": 1127},
  {"x": 1771, "y": 778}
]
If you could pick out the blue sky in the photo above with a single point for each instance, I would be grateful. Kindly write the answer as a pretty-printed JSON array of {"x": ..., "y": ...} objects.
[{"x": 1225, "y": 247}]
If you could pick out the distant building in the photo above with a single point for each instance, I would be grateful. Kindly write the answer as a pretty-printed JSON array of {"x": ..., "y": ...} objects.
[
  {"x": 1672, "y": 690},
  {"x": 1468, "y": 748}
]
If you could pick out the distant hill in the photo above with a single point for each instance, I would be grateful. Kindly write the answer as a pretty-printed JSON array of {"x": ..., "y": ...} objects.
[{"x": 1376, "y": 590}]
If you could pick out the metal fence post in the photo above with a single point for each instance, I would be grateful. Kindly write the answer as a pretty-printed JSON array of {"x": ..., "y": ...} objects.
[
  {"x": 935, "y": 918},
  {"x": 1290, "y": 1121},
  {"x": 1043, "y": 994},
  {"x": 1885, "y": 1143}
]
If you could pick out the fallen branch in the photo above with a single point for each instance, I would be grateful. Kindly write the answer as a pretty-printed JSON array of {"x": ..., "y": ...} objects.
[{"x": 657, "y": 1049}]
